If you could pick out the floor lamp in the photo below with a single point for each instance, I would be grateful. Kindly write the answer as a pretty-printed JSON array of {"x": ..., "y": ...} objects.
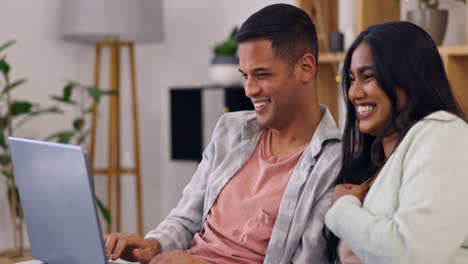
[{"x": 115, "y": 25}]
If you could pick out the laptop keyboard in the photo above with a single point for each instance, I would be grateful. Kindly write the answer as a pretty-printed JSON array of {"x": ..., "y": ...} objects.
[{"x": 119, "y": 261}]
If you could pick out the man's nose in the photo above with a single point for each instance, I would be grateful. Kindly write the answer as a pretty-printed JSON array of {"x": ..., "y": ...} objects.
[{"x": 251, "y": 88}]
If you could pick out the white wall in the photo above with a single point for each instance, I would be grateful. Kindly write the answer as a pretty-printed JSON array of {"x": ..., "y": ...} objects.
[{"x": 44, "y": 60}]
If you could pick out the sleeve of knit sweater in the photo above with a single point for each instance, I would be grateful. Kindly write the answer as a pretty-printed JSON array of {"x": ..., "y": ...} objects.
[{"x": 429, "y": 224}]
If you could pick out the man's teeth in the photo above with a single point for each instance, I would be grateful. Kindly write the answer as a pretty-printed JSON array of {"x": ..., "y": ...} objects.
[
  {"x": 260, "y": 104},
  {"x": 364, "y": 109}
]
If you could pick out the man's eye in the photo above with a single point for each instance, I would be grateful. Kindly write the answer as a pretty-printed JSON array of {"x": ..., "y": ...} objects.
[
  {"x": 263, "y": 75},
  {"x": 244, "y": 76}
]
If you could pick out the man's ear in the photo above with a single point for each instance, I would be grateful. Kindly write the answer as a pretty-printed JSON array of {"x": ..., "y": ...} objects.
[{"x": 307, "y": 66}]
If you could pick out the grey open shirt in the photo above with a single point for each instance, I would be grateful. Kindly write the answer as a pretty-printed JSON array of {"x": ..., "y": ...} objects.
[{"x": 297, "y": 233}]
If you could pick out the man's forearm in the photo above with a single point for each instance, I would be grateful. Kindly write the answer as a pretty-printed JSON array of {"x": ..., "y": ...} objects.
[{"x": 154, "y": 245}]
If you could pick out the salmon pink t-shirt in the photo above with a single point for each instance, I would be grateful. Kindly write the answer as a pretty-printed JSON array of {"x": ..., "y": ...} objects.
[{"x": 239, "y": 225}]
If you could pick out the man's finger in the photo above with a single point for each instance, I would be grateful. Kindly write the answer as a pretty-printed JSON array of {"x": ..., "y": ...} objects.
[
  {"x": 119, "y": 248},
  {"x": 110, "y": 244},
  {"x": 137, "y": 254}
]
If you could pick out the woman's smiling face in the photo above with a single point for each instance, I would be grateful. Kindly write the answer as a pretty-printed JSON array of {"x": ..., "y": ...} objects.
[{"x": 373, "y": 107}]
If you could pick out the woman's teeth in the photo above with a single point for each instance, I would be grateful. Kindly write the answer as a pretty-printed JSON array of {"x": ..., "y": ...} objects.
[{"x": 364, "y": 109}]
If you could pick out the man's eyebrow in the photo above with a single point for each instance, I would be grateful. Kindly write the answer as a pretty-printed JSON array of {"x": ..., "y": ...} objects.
[
  {"x": 256, "y": 70},
  {"x": 260, "y": 69}
]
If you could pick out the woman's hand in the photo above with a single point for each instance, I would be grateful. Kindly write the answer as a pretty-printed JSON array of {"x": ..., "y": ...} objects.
[{"x": 359, "y": 191}]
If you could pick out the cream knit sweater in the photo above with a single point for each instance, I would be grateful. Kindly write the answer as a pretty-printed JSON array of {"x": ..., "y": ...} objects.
[{"x": 417, "y": 209}]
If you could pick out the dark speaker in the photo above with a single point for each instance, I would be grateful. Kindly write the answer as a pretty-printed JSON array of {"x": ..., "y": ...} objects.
[
  {"x": 235, "y": 99},
  {"x": 189, "y": 122},
  {"x": 186, "y": 124}
]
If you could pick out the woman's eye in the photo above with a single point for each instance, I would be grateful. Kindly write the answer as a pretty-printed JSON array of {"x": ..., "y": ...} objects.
[
  {"x": 351, "y": 79},
  {"x": 368, "y": 77}
]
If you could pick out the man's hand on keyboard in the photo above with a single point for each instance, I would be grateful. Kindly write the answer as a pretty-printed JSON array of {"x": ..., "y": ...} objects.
[{"x": 131, "y": 247}]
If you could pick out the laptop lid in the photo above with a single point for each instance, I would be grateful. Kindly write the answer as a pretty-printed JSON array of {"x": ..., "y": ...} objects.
[{"x": 57, "y": 195}]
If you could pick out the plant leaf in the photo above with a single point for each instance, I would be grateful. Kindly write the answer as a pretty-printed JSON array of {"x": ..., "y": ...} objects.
[
  {"x": 88, "y": 110},
  {"x": 78, "y": 123},
  {"x": 21, "y": 107},
  {"x": 61, "y": 137},
  {"x": 104, "y": 211},
  {"x": 4, "y": 66},
  {"x": 83, "y": 137},
  {"x": 108, "y": 92},
  {"x": 2, "y": 142},
  {"x": 3, "y": 122},
  {"x": 227, "y": 47},
  {"x": 7, "y": 44},
  {"x": 65, "y": 137},
  {"x": 62, "y": 100},
  {"x": 68, "y": 90},
  {"x": 4, "y": 159},
  {"x": 18, "y": 209},
  {"x": 6, "y": 173},
  {"x": 12, "y": 86},
  {"x": 95, "y": 93},
  {"x": 50, "y": 110},
  {"x": 233, "y": 33},
  {"x": 35, "y": 113}
]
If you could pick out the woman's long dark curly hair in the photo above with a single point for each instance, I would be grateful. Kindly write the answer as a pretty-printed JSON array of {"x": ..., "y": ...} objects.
[{"x": 403, "y": 56}]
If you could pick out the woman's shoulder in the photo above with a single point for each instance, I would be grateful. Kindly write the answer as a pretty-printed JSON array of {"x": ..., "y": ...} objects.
[
  {"x": 441, "y": 120},
  {"x": 443, "y": 115},
  {"x": 440, "y": 126}
]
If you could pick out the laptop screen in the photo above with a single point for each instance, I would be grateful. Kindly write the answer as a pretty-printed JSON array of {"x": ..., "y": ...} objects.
[{"x": 57, "y": 195}]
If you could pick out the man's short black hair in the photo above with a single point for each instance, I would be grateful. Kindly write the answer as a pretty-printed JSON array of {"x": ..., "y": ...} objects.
[{"x": 290, "y": 30}]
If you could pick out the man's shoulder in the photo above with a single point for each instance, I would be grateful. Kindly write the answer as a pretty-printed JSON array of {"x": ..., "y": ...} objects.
[
  {"x": 240, "y": 117},
  {"x": 235, "y": 120}
]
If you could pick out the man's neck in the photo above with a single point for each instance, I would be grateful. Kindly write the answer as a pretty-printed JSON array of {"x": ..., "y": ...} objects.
[{"x": 299, "y": 132}]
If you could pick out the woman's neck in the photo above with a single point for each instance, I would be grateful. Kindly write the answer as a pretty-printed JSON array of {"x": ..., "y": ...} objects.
[{"x": 390, "y": 142}]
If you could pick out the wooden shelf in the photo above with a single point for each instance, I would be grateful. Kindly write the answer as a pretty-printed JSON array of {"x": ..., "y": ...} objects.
[
  {"x": 369, "y": 12},
  {"x": 329, "y": 57},
  {"x": 461, "y": 50},
  {"x": 338, "y": 57}
]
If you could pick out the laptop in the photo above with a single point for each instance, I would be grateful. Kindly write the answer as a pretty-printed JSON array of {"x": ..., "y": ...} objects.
[{"x": 57, "y": 194}]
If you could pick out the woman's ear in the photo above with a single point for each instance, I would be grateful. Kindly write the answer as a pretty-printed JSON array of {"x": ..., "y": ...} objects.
[{"x": 307, "y": 66}]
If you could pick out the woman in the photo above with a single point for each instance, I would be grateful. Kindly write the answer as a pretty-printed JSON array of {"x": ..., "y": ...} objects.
[{"x": 404, "y": 177}]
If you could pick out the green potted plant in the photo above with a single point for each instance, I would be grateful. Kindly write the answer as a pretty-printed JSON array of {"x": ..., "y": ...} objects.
[
  {"x": 429, "y": 17},
  {"x": 15, "y": 113},
  {"x": 224, "y": 69}
]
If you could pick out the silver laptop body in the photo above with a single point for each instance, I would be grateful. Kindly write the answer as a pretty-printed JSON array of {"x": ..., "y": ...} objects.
[{"x": 57, "y": 195}]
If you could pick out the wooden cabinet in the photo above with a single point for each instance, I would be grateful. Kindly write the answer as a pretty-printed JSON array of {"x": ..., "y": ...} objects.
[
  {"x": 369, "y": 12},
  {"x": 456, "y": 65}
]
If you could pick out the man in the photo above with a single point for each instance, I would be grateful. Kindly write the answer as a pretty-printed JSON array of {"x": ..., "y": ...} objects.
[{"x": 262, "y": 189}]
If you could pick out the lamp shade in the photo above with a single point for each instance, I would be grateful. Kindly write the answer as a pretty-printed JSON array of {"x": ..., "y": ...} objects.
[{"x": 122, "y": 20}]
